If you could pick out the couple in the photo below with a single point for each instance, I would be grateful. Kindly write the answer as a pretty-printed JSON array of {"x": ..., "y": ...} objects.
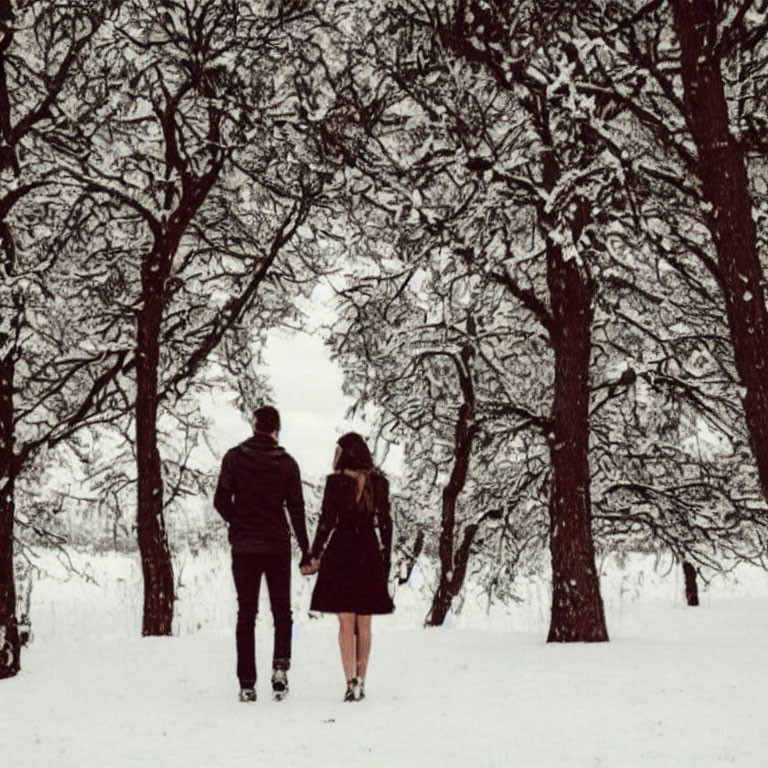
[{"x": 258, "y": 481}]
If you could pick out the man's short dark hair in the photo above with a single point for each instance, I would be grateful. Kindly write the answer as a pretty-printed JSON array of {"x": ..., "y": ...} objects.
[{"x": 266, "y": 419}]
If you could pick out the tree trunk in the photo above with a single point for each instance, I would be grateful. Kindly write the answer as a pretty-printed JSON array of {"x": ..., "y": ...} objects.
[
  {"x": 452, "y": 570},
  {"x": 413, "y": 556},
  {"x": 577, "y": 607},
  {"x": 441, "y": 602},
  {"x": 10, "y": 648},
  {"x": 156, "y": 562},
  {"x": 691, "y": 588},
  {"x": 157, "y": 567},
  {"x": 722, "y": 170}
]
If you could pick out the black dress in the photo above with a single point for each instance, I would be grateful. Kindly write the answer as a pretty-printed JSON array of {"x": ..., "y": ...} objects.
[{"x": 354, "y": 565}]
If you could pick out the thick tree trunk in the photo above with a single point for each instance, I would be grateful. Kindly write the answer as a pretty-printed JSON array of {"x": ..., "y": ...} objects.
[
  {"x": 453, "y": 562},
  {"x": 691, "y": 587},
  {"x": 10, "y": 648},
  {"x": 157, "y": 566},
  {"x": 722, "y": 170},
  {"x": 8, "y": 159},
  {"x": 156, "y": 562},
  {"x": 577, "y": 607}
]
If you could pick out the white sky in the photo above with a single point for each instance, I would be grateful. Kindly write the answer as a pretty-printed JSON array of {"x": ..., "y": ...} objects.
[
  {"x": 307, "y": 392},
  {"x": 307, "y": 389}
]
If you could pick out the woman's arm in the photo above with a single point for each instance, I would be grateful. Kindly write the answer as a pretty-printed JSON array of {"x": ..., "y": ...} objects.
[
  {"x": 384, "y": 522},
  {"x": 328, "y": 517}
]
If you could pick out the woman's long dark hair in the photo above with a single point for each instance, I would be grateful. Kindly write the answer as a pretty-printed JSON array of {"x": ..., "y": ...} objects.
[
  {"x": 354, "y": 453},
  {"x": 356, "y": 457}
]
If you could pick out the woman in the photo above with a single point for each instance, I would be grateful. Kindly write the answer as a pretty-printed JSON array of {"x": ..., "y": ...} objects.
[{"x": 353, "y": 560}]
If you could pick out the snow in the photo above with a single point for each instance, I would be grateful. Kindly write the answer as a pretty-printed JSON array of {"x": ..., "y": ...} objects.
[{"x": 675, "y": 686}]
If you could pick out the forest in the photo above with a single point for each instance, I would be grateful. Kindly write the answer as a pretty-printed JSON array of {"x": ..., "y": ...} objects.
[{"x": 543, "y": 226}]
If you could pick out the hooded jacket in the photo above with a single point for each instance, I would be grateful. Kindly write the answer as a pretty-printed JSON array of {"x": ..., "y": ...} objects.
[{"x": 258, "y": 480}]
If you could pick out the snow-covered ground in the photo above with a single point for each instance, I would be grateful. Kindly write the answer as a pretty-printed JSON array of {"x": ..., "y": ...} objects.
[{"x": 675, "y": 686}]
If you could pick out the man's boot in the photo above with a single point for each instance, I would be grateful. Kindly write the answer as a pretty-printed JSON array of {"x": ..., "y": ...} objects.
[{"x": 279, "y": 684}]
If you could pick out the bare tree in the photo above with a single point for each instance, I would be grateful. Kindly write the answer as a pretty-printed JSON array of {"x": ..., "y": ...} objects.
[
  {"x": 51, "y": 382},
  {"x": 721, "y": 167},
  {"x": 198, "y": 200},
  {"x": 419, "y": 342},
  {"x": 467, "y": 126},
  {"x": 688, "y": 78},
  {"x": 487, "y": 131}
]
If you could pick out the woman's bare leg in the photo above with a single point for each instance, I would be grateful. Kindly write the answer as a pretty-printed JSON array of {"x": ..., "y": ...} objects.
[
  {"x": 347, "y": 644},
  {"x": 363, "y": 644}
]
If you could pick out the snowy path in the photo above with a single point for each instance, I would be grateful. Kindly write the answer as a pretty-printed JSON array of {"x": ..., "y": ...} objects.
[{"x": 676, "y": 687}]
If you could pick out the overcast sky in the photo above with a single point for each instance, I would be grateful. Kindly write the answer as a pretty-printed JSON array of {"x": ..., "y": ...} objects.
[{"x": 307, "y": 388}]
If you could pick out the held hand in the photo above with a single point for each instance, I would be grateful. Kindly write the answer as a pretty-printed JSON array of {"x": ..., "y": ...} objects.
[{"x": 311, "y": 567}]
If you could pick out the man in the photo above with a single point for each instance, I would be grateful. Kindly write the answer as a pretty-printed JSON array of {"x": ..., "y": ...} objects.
[{"x": 258, "y": 481}]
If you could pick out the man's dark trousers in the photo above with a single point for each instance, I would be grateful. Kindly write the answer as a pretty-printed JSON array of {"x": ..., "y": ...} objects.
[{"x": 248, "y": 569}]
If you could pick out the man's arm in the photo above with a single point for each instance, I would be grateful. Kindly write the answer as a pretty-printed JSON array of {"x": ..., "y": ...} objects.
[
  {"x": 294, "y": 501},
  {"x": 224, "y": 498}
]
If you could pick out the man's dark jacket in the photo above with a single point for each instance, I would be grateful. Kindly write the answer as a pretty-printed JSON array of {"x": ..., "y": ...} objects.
[{"x": 258, "y": 480}]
